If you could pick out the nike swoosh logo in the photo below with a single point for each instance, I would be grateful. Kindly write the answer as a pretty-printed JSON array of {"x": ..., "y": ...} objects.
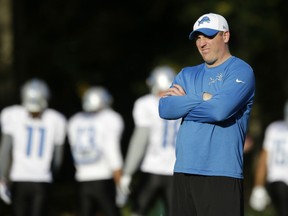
[{"x": 239, "y": 81}]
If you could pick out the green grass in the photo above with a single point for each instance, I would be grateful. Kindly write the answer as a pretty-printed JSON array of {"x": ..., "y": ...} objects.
[
  {"x": 158, "y": 210},
  {"x": 269, "y": 211}
]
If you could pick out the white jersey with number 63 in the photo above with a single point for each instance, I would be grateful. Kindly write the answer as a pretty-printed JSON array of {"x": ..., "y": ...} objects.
[{"x": 95, "y": 144}]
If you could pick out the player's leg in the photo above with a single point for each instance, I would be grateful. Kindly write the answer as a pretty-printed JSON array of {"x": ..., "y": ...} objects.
[
  {"x": 279, "y": 196},
  {"x": 84, "y": 199},
  {"x": 19, "y": 199},
  {"x": 105, "y": 195},
  {"x": 149, "y": 193},
  {"x": 167, "y": 188},
  {"x": 39, "y": 199}
]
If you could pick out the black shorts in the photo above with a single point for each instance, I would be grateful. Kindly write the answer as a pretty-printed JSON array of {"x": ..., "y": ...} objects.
[
  {"x": 154, "y": 187},
  {"x": 97, "y": 196},
  {"x": 30, "y": 198},
  {"x": 278, "y": 192},
  {"x": 197, "y": 195}
]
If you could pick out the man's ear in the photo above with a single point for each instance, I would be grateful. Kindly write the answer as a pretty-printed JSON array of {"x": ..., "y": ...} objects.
[{"x": 226, "y": 36}]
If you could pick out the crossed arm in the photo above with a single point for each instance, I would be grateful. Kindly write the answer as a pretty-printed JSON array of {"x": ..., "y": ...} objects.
[
  {"x": 177, "y": 90},
  {"x": 205, "y": 107}
]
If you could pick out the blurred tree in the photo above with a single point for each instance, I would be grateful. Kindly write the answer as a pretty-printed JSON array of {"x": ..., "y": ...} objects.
[
  {"x": 115, "y": 44},
  {"x": 7, "y": 86},
  {"x": 75, "y": 43}
]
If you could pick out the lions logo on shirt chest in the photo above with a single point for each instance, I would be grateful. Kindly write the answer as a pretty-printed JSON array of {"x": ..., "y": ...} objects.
[{"x": 218, "y": 77}]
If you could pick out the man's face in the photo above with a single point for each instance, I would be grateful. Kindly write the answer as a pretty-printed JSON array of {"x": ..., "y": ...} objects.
[{"x": 213, "y": 49}]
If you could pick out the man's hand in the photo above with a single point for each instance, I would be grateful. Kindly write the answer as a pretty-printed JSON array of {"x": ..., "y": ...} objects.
[
  {"x": 207, "y": 96},
  {"x": 175, "y": 90}
]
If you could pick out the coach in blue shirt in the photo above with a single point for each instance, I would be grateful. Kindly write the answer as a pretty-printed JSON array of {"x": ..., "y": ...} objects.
[{"x": 214, "y": 100}]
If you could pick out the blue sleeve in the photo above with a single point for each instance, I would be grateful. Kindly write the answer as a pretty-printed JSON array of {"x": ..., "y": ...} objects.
[
  {"x": 175, "y": 107},
  {"x": 237, "y": 91}
]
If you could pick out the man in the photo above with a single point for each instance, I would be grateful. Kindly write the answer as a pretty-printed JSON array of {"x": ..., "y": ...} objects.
[
  {"x": 272, "y": 169},
  {"x": 32, "y": 137},
  {"x": 94, "y": 136},
  {"x": 152, "y": 146},
  {"x": 214, "y": 100}
]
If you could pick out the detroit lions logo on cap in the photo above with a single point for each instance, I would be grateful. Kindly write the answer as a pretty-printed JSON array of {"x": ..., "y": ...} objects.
[{"x": 203, "y": 20}]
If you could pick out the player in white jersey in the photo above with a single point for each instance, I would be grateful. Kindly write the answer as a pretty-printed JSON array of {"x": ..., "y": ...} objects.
[
  {"x": 272, "y": 169},
  {"x": 153, "y": 140},
  {"x": 95, "y": 136},
  {"x": 33, "y": 135}
]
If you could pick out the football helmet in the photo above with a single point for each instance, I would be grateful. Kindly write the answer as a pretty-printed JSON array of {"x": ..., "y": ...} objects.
[
  {"x": 160, "y": 78},
  {"x": 34, "y": 95},
  {"x": 96, "y": 98}
]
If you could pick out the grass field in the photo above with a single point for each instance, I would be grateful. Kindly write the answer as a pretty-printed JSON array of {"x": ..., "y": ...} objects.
[{"x": 158, "y": 210}]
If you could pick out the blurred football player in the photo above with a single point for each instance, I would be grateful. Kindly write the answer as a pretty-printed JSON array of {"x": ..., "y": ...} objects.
[
  {"x": 271, "y": 177},
  {"x": 32, "y": 138},
  {"x": 95, "y": 135},
  {"x": 152, "y": 144}
]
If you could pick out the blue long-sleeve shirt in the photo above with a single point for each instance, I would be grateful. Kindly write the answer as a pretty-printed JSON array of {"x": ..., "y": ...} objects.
[{"x": 211, "y": 137}]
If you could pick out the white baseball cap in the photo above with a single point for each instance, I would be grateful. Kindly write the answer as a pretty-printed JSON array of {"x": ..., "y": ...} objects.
[{"x": 209, "y": 24}]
